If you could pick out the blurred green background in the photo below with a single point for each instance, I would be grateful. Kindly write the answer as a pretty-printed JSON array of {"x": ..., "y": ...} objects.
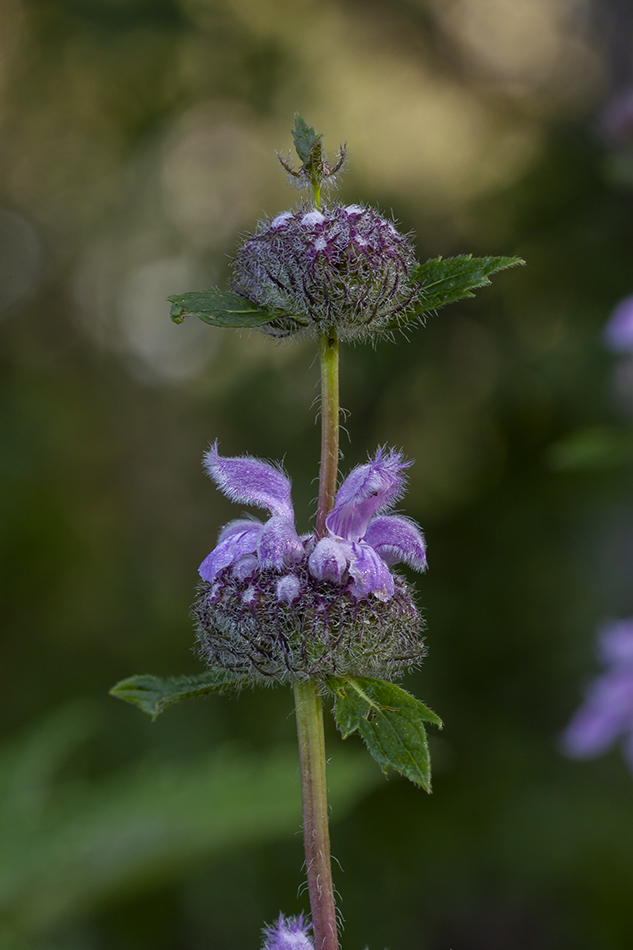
[{"x": 136, "y": 144}]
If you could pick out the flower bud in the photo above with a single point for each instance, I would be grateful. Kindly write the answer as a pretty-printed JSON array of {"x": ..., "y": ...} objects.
[{"x": 345, "y": 269}]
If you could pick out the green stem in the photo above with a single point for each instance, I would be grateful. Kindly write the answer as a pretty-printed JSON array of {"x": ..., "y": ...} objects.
[
  {"x": 309, "y": 711},
  {"x": 328, "y": 355},
  {"x": 308, "y": 705}
]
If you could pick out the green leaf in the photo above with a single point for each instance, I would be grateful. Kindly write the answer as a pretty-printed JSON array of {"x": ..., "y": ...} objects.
[
  {"x": 153, "y": 693},
  {"x": 391, "y": 722},
  {"x": 445, "y": 281},
  {"x": 596, "y": 447},
  {"x": 219, "y": 308},
  {"x": 71, "y": 843},
  {"x": 305, "y": 139}
]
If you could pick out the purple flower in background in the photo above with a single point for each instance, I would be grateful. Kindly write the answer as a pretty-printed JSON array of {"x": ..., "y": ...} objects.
[
  {"x": 607, "y": 712},
  {"x": 362, "y": 538},
  {"x": 288, "y": 933},
  {"x": 247, "y": 545},
  {"x": 616, "y": 120},
  {"x": 618, "y": 333}
]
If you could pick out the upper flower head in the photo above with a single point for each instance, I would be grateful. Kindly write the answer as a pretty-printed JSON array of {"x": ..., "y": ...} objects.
[
  {"x": 607, "y": 712},
  {"x": 342, "y": 268}
]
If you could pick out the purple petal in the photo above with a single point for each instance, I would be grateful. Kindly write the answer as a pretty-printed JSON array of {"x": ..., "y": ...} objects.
[
  {"x": 279, "y": 545},
  {"x": 618, "y": 333},
  {"x": 397, "y": 539},
  {"x": 370, "y": 574},
  {"x": 244, "y": 567},
  {"x": 615, "y": 643},
  {"x": 367, "y": 489},
  {"x": 237, "y": 539},
  {"x": 606, "y": 713},
  {"x": 328, "y": 561},
  {"x": 249, "y": 481},
  {"x": 288, "y": 589}
]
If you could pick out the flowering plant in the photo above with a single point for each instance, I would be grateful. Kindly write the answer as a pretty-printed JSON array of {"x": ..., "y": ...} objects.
[{"x": 324, "y": 612}]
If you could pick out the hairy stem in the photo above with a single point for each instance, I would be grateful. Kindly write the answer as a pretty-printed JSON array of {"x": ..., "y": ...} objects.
[
  {"x": 316, "y": 837},
  {"x": 328, "y": 355}
]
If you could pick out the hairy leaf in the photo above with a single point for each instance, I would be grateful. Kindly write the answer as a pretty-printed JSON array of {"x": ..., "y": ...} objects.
[
  {"x": 445, "y": 281},
  {"x": 305, "y": 138},
  {"x": 153, "y": 693},
  {"x": 219, "y": 308},
  {"x": 391, "y": 722}
]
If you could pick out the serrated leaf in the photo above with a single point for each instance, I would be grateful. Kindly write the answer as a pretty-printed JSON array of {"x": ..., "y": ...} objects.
[
  {"x": 219, "y": 308},
  {"x": 305, "y": 138},
  {"x": 152, "y": 694},
  {"x": 445, "y": 281},
  {"x": 391, "y": 722}
]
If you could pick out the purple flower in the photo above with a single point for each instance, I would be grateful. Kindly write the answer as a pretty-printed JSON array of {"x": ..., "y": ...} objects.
[
  {"x": 362, "y": 538},
  {"x": 616, "y": 120},
  {"x": 342, "y": 268},
  {"x": 618, "y": 333},
  {"x": 247, "y": 545},
  {"x": 607, "y": 712},
  {"x": 288, "y": 933},
  {"x": 274, "y": 607}
]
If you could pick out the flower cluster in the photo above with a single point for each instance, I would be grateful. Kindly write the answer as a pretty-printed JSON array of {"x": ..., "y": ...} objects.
[
  {"x": 342, "y": 268},
  {"x": 274, "y": 606},
  {"x": 607, "y": 712}
]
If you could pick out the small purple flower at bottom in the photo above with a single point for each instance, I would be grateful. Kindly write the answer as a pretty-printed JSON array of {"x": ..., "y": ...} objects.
[
  {"x": 288, "y": 933},
  {"x": 607, "y": 712},
  {"x": 363, "y": 538}
]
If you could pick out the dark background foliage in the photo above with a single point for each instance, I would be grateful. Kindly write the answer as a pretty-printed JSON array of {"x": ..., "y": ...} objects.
[{"x": 137, "y": 144}]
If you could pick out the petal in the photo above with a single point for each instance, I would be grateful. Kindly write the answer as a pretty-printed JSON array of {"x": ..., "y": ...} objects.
[
  {"x": 615, "y": 643},
  {"x": 606, "y": 713},
  {"x": 618, "y": 333},
  {"x": 397, "y": 539},
  {"x": 244, "y": 567},
  {"x": 328, "y": 561},
  {"x": 279, "y": 545},
  {"x": 370, "y": 573},
  {"x": 288, "y": 589},
  {"x": 249, "y": 481},
  {"x": 236, "y": 540},
  {"x": 367, "y": 489}
]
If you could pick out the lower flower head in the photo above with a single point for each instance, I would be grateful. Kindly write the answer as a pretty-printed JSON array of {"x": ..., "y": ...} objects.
[
  {"x": 276, "y": 607},
  {"x": 342, "y": 268}
]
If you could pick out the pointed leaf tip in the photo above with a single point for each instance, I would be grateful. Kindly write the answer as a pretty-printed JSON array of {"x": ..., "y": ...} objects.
[
  {"x": 218, "y": 308},
  {"x": 443, "y": 281},
  {"x": 305, "y": 138},
  {"x": 391, "y": 722},
  {"x": 152, "y": 694}
]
